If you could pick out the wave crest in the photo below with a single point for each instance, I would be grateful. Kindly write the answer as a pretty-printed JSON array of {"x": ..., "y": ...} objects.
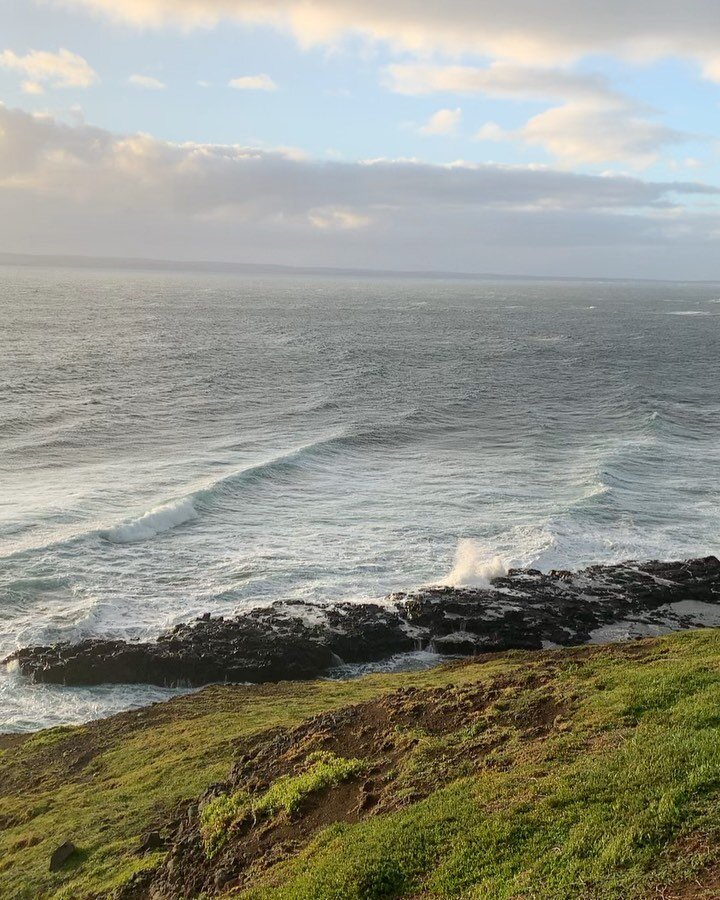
[{"x": 157, "y": 520}]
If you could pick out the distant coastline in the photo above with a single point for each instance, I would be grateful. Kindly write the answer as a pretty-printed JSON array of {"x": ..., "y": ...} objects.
[{"x": 142, "y": 264}]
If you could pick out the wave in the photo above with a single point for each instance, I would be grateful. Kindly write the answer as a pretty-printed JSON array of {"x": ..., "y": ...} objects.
[
  {"x": 202, "y": 496},
  {"x": 152, "y": 523},
  {"x": 381, "y": 436}
]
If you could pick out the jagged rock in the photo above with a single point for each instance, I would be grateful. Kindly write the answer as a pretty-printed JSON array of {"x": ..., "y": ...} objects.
[
  {"x": 525, "y": 609},
  {"x": 61, "y": 855},
  {"x": 153, "y": 840}
]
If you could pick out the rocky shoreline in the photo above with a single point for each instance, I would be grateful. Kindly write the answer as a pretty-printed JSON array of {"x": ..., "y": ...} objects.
[{"x": 525, "y": 609}]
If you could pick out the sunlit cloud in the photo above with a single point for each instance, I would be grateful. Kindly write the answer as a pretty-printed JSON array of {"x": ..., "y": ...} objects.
[
  {"x": 595, "y": 123},
  {"x": 44, "y": 69},
  {"x": 442, "y": 122},
  {"x": 260, "y": 82},
  {"x": 333, "y": 219},
  {"x": 496, "y": 80},
  {"x": 523, "y": 31},
  {"x": 147, "y": 82}
]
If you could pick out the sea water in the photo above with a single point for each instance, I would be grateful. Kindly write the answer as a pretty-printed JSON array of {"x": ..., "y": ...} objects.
[{"x": 172, "y": 444}]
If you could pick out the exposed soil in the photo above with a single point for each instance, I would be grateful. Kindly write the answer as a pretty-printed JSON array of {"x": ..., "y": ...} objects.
[
  {"x": 705, "y": 884},
  {"x": 384, "y": 732}
]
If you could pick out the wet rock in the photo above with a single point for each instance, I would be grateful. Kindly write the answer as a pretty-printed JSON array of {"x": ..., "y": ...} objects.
[{"x": 525, "y": 609}]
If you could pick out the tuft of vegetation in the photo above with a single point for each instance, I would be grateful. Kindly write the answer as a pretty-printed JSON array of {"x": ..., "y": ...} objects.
[
  {"x": 217, "y": 817},
  {"x": 322, "y": 770}
]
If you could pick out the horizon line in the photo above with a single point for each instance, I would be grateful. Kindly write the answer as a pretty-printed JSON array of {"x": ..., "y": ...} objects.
[{"x": 139, "y": 263}]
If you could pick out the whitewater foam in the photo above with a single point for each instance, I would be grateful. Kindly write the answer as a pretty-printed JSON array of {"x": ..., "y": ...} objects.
[
  {"x": 152, "y": 523},
  {"x": 471, "y": 567}
]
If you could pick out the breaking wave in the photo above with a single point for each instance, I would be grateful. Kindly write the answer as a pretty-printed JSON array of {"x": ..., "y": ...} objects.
[{"x": 157, "y": 520}]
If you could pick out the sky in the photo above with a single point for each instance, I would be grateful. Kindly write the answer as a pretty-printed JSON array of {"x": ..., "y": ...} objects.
[{"x": 568, "y": 137}]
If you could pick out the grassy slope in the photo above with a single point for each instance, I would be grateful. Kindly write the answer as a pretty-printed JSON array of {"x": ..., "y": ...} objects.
[{"x": 619, "y": 795}]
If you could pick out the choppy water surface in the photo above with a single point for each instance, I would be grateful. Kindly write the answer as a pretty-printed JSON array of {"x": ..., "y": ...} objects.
[{"x": 172, "y": 444}]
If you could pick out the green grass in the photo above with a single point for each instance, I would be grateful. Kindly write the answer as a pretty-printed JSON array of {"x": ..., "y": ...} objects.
[
  {"x": 592, "y": 812},
  {"x": 143, "y": 765},
  {"x": 322, "y": 770},
  {"x": 597, "y": 808}
]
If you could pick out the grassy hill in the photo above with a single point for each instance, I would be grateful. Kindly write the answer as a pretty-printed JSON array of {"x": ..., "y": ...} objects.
[{"x": 585, "y": 773}]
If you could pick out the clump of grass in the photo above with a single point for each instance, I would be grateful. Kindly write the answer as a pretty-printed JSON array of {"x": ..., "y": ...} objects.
[
  {"x": 216, "y": 817},
  {"x": 322, "y": 770}
]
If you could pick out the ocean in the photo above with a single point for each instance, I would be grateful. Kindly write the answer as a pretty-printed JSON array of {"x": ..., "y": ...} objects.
[{"x": 172, "y": 444}]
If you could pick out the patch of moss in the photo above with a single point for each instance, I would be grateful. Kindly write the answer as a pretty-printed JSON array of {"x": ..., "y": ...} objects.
[{"x": 49, "y": 737}]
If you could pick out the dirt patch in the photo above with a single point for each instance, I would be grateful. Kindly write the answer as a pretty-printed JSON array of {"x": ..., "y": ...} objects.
[
  {"x": 8, "y": 741},
  {"x": 388, "y": 734},
  {"x": 704, "y": 884}
]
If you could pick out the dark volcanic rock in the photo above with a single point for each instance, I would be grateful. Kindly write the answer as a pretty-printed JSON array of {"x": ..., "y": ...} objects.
[
  {"x": 524, "y": 609},
  {"x": 61, "y": 855},
  {"x": 153, "y": 840}
]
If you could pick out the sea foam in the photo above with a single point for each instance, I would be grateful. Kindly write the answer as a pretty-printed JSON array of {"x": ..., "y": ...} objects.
[
  {"x": 471, "y": 567},
  {"x": 153, "y": 522}
]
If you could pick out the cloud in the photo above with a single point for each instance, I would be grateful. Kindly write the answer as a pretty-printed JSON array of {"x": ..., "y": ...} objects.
[
  {"x": 519, "y": 30},
  {"x": 491, "y": 131},
  {"x": 56, "y": 70},
  {"x": 331, "y": 218},
  {"x": 443, "y": 122},
  {"x": 32, "y": 87},
  {"x": 497, "y": 80},
  {"x": 253, "y": 83},
  {"x": 581, "y": 133},
  {"x": 81, "y": 189},
  {"x": 593, "y": 132},
  {"x": 594, "y": 124},
  {"x": 147, "y": 82}
]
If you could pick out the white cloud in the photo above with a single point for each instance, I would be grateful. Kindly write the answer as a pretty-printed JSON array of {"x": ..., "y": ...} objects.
[
  {"x": 147, "y": 82},
  {"x": 594, "y": 124},
  {"x": 592, "y": 133},
  {"x": 42, "y": 68},
  {"x": 442, "y": 122},
  {"x": 75, "y": 188},
  {"x": 520, "y": 30},
  {"x": 32, "y": 87},
  {"x": 331, "y": 218},
  {"x": 260, "y": 82},
  {"x": 587, "y": 133}
]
